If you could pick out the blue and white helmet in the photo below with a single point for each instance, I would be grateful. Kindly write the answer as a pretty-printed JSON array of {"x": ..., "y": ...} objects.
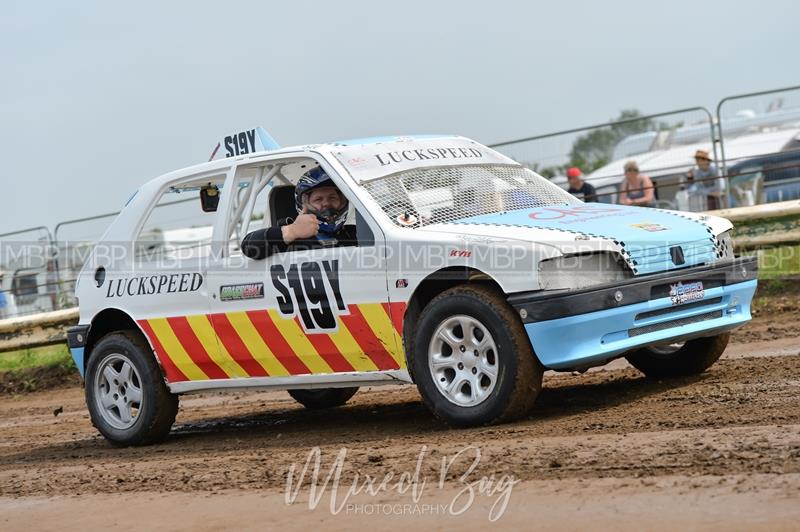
[{"x": 331, "y": 220}]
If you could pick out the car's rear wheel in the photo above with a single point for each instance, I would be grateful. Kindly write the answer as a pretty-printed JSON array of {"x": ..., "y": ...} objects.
[
  {"x": 323, "y": 397},
  {"x": 679, "y": 359},
  {"x": 128, "y": 401},
  {"x": 472, "y": 361}
]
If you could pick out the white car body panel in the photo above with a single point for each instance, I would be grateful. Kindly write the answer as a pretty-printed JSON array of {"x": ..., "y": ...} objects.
[{"x": 204, "y": 340}]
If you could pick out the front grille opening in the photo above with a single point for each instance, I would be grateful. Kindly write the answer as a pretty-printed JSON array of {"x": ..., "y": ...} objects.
[
  {"x": 685, "y": 306},
  {"x": 637, "y": 331}
]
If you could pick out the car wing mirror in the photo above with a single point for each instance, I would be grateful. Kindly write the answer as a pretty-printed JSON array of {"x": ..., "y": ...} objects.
[{"x": 209, "y": 198}]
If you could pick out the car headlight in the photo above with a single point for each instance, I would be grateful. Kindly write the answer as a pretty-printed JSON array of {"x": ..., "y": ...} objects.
[
  {"x": 579, "y": 271},
  {"x": 725, "y": 245}
]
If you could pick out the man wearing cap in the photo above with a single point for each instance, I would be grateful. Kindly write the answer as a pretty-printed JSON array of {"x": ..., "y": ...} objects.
[
  {"x": 578, "y": 187},
  {"x": 704, "y": 179}
]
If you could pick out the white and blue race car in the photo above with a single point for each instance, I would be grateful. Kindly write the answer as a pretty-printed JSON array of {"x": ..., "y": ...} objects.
[{"x": 470, "y": 275}]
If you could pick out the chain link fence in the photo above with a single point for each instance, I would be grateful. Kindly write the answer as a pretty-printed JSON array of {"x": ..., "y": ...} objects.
[{"x": 753, "y": 142}]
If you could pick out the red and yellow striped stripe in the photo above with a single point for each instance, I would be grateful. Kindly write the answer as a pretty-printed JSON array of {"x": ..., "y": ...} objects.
[{"x": 262, "y": 343}]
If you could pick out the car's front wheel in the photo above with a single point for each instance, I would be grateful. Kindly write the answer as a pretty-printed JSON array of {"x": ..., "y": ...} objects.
[
  {"x": 128, "y": 401},
  {"x": 472, "y": 361},
  {"x": 679, "y": 359}
]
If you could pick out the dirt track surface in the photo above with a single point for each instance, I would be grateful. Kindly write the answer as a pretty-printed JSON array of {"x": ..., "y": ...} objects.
[{"x": 607, "y": 448}]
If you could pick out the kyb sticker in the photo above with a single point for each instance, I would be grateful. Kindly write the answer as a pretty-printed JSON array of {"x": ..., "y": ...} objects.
[
  {"x": 684, "y": 293},
  {"x": 238, "y": 292},
  {"x": 460, "y": 253}
]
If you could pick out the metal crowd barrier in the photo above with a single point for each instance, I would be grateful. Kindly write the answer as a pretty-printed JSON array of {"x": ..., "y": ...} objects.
[
  {"x": 757, "y": 227},
  {"x": 38, "y": 330}
]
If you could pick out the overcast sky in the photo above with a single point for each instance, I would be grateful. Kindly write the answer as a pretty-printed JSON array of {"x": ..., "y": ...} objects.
[{"x": 99, "y": 97}]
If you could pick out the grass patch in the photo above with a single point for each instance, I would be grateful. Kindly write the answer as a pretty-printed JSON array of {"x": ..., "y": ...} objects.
[
  {"x": 52, "y": 355},
  {"x": 778, "y": 262},
  {"x": 29, "y": 370}
]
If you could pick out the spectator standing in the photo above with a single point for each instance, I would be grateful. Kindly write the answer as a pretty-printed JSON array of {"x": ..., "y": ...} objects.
[
  {"x": 637, "y": 189},
  {"x": 578, "y": 187}
]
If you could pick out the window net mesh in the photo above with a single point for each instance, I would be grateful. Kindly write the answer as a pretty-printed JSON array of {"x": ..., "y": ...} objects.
[{"x": 427, "y": 196}]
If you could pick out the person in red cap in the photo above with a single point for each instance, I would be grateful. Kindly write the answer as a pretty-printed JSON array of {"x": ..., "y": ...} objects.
[{"x": 578, "y": 187}]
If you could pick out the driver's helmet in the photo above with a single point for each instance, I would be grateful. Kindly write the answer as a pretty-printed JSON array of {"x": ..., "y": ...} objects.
[{"x": 331, "y": 220}]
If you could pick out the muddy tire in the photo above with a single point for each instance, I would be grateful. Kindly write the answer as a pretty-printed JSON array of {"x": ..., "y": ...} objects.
[
  {"x": 691, "y": 358},
  {"x": 472, "y": 361},
  {"x": 128, "y": 400},
  {"x": 323, "y": 398}
]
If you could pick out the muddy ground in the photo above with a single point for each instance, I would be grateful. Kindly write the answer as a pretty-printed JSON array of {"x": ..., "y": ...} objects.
[{"x": 607, "y": 449}]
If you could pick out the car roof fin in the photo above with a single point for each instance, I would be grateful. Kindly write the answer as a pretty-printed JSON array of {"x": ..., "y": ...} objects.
[{"x": 244, "y": 142}]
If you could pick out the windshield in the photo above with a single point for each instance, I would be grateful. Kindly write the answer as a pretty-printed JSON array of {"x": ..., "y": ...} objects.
[{"x": 426, "y": 196}]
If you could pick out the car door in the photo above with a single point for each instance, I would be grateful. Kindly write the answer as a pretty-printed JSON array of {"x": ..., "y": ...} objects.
[
  {"x": 165, "y": 285},
  {"x": 319, "y": 311}
]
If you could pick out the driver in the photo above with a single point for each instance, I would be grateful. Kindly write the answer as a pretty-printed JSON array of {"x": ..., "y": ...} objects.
[{"x": 323, "y": 210}]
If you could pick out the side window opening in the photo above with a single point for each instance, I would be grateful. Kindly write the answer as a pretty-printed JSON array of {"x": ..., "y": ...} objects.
[
  {"x": 275, "y": 201},
  {"x": 281, "y": 202},
  {"x": 177, "y": 228}
]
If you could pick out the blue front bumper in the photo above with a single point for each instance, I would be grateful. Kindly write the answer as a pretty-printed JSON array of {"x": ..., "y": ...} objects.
[
  {"x": 77, "y": 337},
  {"x": 593, "y": 338}
]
